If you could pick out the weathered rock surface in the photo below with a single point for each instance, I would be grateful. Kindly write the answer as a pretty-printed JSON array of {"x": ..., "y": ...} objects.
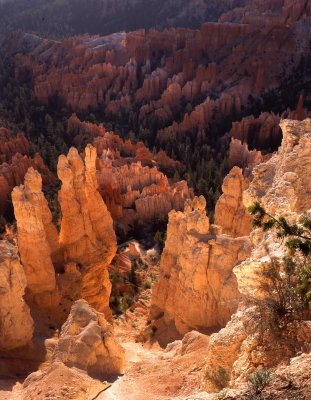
[
  {"x": 129, "y": 178},
  {"x": 15, "y": 162},
  {"x": 16, "y": 324},
  {"x": 86, "y": 236},
  {"x": 282, "y": 184},
  {"x": 87, "y": 342},
  {"x": 37, "y": 236},
  {"x": 230, "y": 212},
  {"x": 62, "y": 268},
  {"x": 218, "y": 67},
  {"x": 197, "y": 288}
]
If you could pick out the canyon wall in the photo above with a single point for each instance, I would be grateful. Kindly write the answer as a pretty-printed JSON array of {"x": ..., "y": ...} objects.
[{"x": 282, "y": 186}]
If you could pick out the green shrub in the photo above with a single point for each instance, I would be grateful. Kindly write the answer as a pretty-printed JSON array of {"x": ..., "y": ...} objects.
[{"x": 259, "y": 380}]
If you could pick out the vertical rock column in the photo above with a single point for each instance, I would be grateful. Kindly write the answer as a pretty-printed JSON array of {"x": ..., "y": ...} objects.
[
  {"x": 37, "y": 236},
  {"x": 87, "y": 237}
]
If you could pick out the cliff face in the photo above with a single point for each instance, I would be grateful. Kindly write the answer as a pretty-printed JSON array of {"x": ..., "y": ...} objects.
[
  {"x": 282, "y": 186},
  {"x": 197, "y": 288},
  {"x": 16, "y": 322}
]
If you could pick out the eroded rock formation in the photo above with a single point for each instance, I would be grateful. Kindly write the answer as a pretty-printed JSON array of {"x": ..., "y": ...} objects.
[
  {"x": 282, "y": 186},
  {"x": 15, "y": 162},
  {"x": 129, "y": 178},
  {"x": 61, "y": 268},
  {"x": 87, "y": 342},
  {"x": 180, "y": 80},
  {"x": 16, "y": 324},
  {"x": 37, "y": 236},
  {"x": 230, "y": 212},
  {"x": 86, "y": 237},
  {"x": 197, "y": 288}
]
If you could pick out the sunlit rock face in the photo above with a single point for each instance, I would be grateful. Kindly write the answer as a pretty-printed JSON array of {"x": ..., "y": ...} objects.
[
  {"x": 130, "y": 178},
  {"x": 63, "y": 267},
  {"x": 15, "y": 320},
  {"x": 282, "y": 186},
  {"x": 87, "y": 238},
  {"x": 87, "y": 342},
  {"x": 37, "y": 235},
  {"x": 197, "y": 288},
  {"x": 230, "y": 212}
]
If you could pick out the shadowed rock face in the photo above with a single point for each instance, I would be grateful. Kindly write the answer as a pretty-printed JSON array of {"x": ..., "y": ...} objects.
[
  {"x": 197, "y": 288},
  {"x": 15, "y": 162},
  {"x": 16, "y": 325}
]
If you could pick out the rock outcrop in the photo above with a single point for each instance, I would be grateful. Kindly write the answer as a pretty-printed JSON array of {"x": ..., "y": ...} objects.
[
  {"x": 87, "y": 238},
  {"x": 282, "y": 186},
  {"x": 87, "y": 342},
  {"x": 61, "y": 268},
  {"x": 230, "y": 212},
  {"x": 197, "y": 288},
  {"x": 37, "y": 236},
  {"x": 15, "y": 162},
  {"x": 129, "y": 176},
  {"x": 16, "y": 324}
]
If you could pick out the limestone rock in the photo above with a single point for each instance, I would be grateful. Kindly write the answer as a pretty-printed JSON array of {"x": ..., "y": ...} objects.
[
  {"x": 230, "y": 212},
  {"x": 37, "y": 236},
  {"x": 86, "y": 237},
  {"x": 16, "y": 325},
  {"x": 197, "y": 288},
  {"x": 282, "y": 184},
  {"x": 87, "y": 342}
]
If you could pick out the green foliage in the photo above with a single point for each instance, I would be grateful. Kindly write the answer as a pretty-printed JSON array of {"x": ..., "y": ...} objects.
[
  {"x": 220, "y": 378},
  {"x": 259, "y": 380},
  {"x": 286, "y": 284}
]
